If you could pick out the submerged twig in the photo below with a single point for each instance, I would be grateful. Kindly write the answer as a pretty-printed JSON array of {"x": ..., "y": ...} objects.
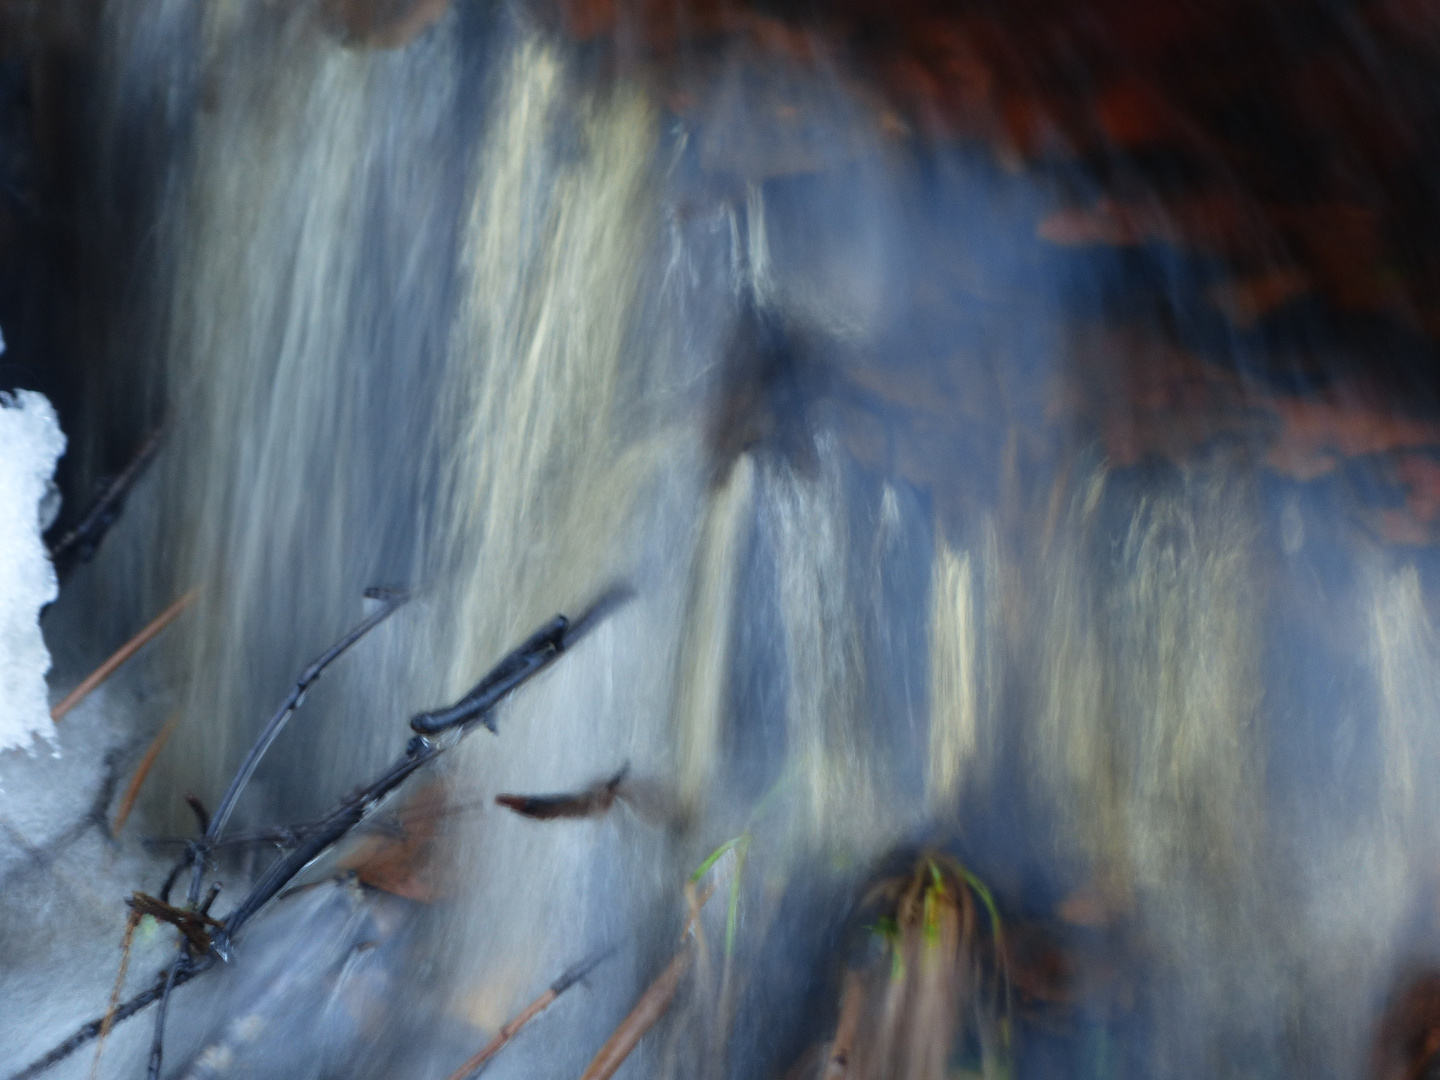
[
  {"x": 472, "y": 711},
  {"x": 202, "y": 816},
  {"x": 653, "y": 1004},
  {"x": 157, "y": 1040},
  {"x": 476, "y": 1064},
  {"x": 85, "y": 537},
  {"x": 538, "y": 652},
  {"x": 213, "y": 826},
  {"x": 287, "y": 836},
  {"x": 336, "y": 825},
  {"x": 131, "y": 924},
  {"x": 120, "y": 655},
  {"x": 188, "y": 970}
]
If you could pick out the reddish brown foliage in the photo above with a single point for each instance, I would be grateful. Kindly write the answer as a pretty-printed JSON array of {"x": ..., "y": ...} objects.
[
  {"x": 401, "y": 859},
  {"x": 1408, "y": 1038},
  {"x": 384, "y": 24}
]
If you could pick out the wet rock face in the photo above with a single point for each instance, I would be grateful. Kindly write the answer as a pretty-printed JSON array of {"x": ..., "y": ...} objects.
[
  {"x": 1407, "y": 1042},
  {"x": 383, "y": 24},
  {"x": 1289, "y": 139}
]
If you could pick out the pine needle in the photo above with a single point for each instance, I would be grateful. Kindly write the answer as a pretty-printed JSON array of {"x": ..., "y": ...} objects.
[
  {"x": 122, "y": 654},
  {"x": 132, "y": 790}
]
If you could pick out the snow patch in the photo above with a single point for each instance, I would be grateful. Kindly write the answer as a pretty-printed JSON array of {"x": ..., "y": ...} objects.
[{"x": 30, "y": 443}]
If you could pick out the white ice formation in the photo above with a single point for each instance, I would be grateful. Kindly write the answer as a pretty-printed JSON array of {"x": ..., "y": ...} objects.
[{"x": 30, "y": 444}]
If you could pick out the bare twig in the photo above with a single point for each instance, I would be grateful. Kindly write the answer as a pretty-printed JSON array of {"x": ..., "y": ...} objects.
[
  {"x": 157, "y": 1040},
  {"x": 476, "y": 1064},
  {"x": 122, "y": 654},
  {"x": 286, "y": 837},
  {"x": 538, "y": 652},
  {"x": 328, "y": 830},
  {"x": 191, "y": 851},
  {"x": 340, "y": 821},
  {"x": 391, "y": 600},
  {"x": 104, "y": 511},
  {"x": 202, "y": 816},
  {"x": 188, "y": 970},
  {"x": 132, "y": 790}
]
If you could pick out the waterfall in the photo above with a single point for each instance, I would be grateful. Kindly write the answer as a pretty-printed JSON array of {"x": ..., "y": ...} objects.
[{"x": 1001, "y": 694}]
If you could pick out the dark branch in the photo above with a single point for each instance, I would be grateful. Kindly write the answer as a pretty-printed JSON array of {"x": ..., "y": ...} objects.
[
  {"x": 547, "y": 644},
  {"x": 177, "y": 870},
  {"x": 157, "y": 1041},
  {"x": 538, "y": 652},
  {"x": 85, "y": 537},
  {"x": 202, "y": 816},
  {"x": 140, "y": 1002},
  {"x": 333, "y": 828},
  {"x": 285, "y": 837},
  {"x": 391, "y": 600}
]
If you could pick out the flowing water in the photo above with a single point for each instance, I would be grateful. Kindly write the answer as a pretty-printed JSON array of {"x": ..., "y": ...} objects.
[{"x": 479, "y": 317}]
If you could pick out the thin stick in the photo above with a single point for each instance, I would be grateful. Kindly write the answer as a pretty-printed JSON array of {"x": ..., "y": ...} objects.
[
  {"x": 132, "y": 790},
  {"x": 125, "y": 652},
  {"x": 285, "y": 837},
  {"x": 157, "y": 1041},
  {"x": 652, "y": 1005},
  {"x": 130, "y": 924},
  {"x": 137, "y": 1004},
  {"x": 391, "y": 600},
  {"x": 103, "y": 512},
  {"x": 644, "y": 1016},
  {"x": 419, "y": 752},
  {"x": 340, "y": 821},
  {"x": 533, "y": 655},
  {"x": 476, "y": 1064}
]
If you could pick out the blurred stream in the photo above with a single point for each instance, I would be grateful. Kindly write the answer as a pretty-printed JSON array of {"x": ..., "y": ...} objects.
[{"x": 1042, "y": 610}]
